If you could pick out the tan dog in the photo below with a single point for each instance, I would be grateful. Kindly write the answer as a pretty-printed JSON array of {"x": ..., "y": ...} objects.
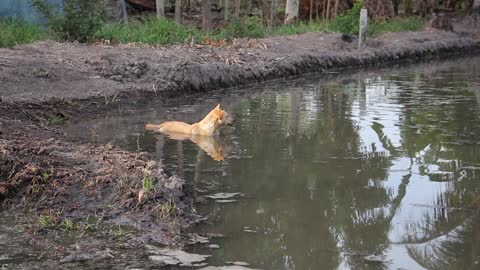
[{"x": 208, "y": 126}]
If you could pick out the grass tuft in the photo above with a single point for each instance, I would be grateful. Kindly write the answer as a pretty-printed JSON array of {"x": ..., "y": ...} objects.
[
  {"x": 46, "y": 221},
  {"x": 147, "y": 183},
  {"x": 45, "y": 176},
  {"x": 167, "y": 209},
  {"x": 67, "y": 225}
]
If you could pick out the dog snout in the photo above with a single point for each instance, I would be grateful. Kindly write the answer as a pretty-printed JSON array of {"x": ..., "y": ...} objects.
[{"x": 230, "y": 120}]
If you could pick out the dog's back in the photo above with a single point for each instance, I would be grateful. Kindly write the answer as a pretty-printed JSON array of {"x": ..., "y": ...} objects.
[{"x": 171, "y": 126}]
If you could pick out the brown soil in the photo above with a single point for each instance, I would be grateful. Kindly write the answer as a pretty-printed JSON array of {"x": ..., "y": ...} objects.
[
  {"x": 46, "y": 70},
  {"x": 43, "y": 170},
  {"x": 43, "y": 84}
]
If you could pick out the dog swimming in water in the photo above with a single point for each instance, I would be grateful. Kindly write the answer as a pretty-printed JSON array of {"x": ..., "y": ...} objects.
[
  {"x": 208, "y": 126},
  {"x": 202, "y": 133}
]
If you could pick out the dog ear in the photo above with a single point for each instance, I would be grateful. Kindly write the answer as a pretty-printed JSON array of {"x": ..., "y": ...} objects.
[
  {"x": 220, "y": 114},
  {"x": 218, "y": 107}
]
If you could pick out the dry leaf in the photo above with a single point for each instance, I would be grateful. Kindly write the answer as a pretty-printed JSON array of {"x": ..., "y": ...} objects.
[{"x": 141, "y": 195}]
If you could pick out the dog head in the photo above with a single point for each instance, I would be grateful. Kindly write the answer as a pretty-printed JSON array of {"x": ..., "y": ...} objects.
[{"x": 222, "y": 117}]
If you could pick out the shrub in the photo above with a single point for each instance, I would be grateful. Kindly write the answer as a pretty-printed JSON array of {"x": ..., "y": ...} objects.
[
  {"x": 348, "y": 22},
  {"x": 79, "y": 20}
]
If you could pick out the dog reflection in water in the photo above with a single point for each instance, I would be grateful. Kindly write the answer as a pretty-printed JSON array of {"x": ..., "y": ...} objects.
[
  {"x": 202, "y": 133},
  {"x": 209, "y": 144}
]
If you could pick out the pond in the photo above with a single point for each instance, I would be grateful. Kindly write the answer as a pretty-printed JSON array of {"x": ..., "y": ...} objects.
[{"x": 351, "y": 170}]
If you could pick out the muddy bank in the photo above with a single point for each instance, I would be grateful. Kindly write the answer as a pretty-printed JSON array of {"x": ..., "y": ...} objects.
[
  {"x": 46, "y": 70},
  {"x": 54, "y": 179}
]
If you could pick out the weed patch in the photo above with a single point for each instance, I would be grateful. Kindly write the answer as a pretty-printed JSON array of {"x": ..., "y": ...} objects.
[
  {"x": 167, "y": 209},
  {"x": 67, "y": 225},
  {"x": 47, "y": 221}
]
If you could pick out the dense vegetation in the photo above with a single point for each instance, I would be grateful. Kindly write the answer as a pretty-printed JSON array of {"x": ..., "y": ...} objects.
[{"x": 87, "y": 21}]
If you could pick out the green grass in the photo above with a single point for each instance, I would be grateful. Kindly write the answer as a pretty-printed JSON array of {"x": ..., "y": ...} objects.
[
  {"x": 298, "y": 28},
  {"x": 154, "y": 31},
  {"x": 15, "y": 32},
  {"x": 375, "y": 28},
  {"x": 149, "y": 30},
  {"x": 396, "y": 25}
]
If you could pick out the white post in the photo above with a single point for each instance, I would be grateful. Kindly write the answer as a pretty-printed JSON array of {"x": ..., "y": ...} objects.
[
  {"x": 291, "y": 11},
  {"x": 363, "y": 26}
]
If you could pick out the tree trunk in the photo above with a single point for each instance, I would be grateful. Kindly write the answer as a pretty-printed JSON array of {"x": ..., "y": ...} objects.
[
  {"x": 178, "y": 11},
  {"x": 237, "y": 8},
  {"x": 468, "y": 4},
  {"x": 265, "y": 10},
  {"x": 206, "y": 14},
  {"x": 336, "y": 9},
  {"x": 396, "y": 4},
  {"x": 324, "y": 11},
  {"x": 226, "y": 10},
  {"x": 273, "y": 8},
  {"x": 291, "y": 11},
  {"x": 124, "y": 11},
  {"x": 250, "y": 6},
  {"x": 311, "y": 11},
  {"x": 328, "y": 10},
  {"x": 408, "y": 4},
  {"x": 160, "y": 8}
]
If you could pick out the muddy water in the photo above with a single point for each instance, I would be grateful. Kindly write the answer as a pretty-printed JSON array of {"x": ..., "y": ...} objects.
[{"x": 372, "y": 170}]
